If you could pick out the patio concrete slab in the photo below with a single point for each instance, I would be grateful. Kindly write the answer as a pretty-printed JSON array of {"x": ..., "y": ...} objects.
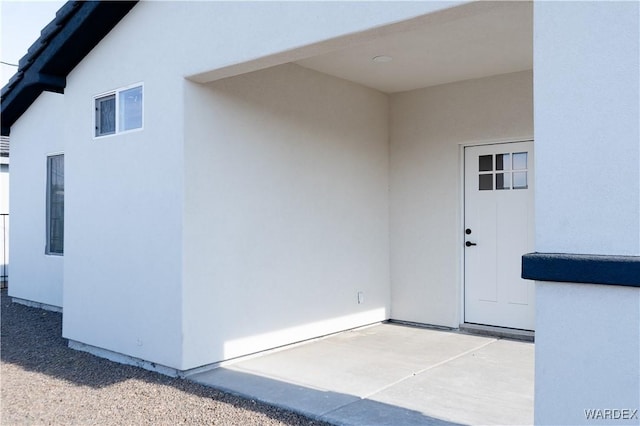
[
  {"x": 491, "y": 385},
  {"x": 306, "y": 399},
  {"x": 361, "y": 362},
  {"x": 391, "y": 374}
]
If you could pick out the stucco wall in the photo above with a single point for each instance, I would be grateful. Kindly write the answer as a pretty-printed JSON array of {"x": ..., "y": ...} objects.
[
  {"x": 140, "y": 257},
  {"x": 123, "y": 254},
  {"x": 124, "y": 199},
  {"x": 4, "y": 220},
  {"x": 286, "y": 211},
  {"x": 592, "y": 82},
  {"x": 587, "y": 352},
  {"x": 35, "y": 276},
  {"x": 587, "y": 91},
  {"x": 428, "y": 127}
]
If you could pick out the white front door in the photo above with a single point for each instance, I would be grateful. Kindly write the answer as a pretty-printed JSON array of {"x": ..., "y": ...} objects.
[{"x": 499, "y": 229}]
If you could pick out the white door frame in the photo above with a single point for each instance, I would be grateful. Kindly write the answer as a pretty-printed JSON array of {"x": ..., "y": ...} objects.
[{"x": 461, "y": 222}]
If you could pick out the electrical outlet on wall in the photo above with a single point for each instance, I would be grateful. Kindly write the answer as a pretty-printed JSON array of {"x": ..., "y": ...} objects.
[{"x": 360, "y": 297}]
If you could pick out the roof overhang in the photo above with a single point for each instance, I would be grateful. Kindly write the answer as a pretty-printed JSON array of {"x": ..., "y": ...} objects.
[
  {"x": 463, "y": 41},
  {"x": 77, "y": 28}
]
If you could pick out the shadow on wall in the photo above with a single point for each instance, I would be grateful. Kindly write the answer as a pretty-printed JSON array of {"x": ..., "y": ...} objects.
[{"x": 31, "y": 339}]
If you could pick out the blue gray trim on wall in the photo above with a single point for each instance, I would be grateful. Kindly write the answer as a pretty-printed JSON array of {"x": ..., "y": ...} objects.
[
  {"x": 582, "y": 268},
  {"x": 77, "y": 28}
]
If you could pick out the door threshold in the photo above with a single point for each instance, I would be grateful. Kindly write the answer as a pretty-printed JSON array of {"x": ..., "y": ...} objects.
[{"x": 490, "y": 330}]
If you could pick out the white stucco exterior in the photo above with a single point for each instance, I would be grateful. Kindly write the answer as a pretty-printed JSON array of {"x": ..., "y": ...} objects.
[
  {"x": 270, "y": 207},
  {"x": 4, "y": 220},
  {"x": 250, "y": 212},
  {"x": 587, "y": 353},
  {"x": 154, "y": 217},
  {"x": 592, "y": 82},
  {"x": 587, "y": 109},
  {"x": 428, "y": 129},
  {"x": 123, "y": 253},
  {"x": 35, "y": 276},
  {"x": 286, "y": 211},
  {"x": 264, "y": 203}
]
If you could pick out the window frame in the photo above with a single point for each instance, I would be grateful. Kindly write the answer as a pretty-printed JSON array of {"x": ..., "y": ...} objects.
[
  {"x": 48, "y": 206},
  {"x": 116, "y": 93}
]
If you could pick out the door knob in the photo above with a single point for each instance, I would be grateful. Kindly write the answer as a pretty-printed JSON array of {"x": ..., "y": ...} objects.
[{"x": 469, "y": 244}]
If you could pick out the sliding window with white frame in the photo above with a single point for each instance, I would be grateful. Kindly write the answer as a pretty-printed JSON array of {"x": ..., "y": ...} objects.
[{"x": 119, "y": 111}]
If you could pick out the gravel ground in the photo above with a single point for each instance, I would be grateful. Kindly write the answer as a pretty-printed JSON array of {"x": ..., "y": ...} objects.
[{"x": 45, "y": 382}]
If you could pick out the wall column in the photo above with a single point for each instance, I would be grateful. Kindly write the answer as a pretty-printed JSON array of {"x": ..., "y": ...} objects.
[{"x": 587, "y": 265}]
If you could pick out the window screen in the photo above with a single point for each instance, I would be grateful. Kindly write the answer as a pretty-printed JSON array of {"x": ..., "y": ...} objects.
[{"x": 106, "y": 115}]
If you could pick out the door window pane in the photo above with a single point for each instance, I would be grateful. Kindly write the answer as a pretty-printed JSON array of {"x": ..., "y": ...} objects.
[
  {"x": 485, "y": 163},
  {"x": 503, "y": 180},
  {"x": 503, "y": 161},
  {"x": 519, "y": 161},
  {"x": 486, "y": 182},
  {"x": 520, "y": 180}
]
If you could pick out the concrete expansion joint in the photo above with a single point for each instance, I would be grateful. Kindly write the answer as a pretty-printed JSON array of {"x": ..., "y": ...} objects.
[
  {"x": 430, "y": 368},
  {"x": 409, "y": 376}
]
